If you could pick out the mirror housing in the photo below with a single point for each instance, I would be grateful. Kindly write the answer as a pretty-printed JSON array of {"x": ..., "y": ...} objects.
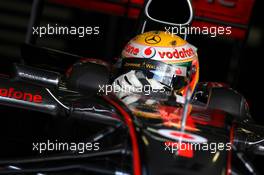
[
  {"x": 147, "y": 10},
  {"x": 87, "y": 77}
]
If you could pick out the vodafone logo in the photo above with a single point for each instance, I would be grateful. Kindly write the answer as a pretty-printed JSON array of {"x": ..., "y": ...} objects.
[
  {"x": 149, "y": 52},
  {"x": 19, "y": 95},
  {"x": 131, "y": 50},
  {"x": 177, "y": 53},
  {"x": 182, "y": 136},
  {"x": 136, "y": 50}
]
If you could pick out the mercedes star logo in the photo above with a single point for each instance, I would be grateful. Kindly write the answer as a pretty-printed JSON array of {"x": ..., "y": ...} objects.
[{"x": 153, "y": 39}]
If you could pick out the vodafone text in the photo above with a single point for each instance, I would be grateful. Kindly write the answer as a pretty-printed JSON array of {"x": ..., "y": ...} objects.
[
  {"x": 177, "y": 54},
  {"x": 19, "y": 95},
  {"x": 131, "y": 49},
  {"x": 159, "y": 53}
]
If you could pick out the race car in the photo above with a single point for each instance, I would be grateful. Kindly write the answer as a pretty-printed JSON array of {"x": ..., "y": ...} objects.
[
  {"x": 69, "y": 125},
  {"x": 156, "y": 138}
]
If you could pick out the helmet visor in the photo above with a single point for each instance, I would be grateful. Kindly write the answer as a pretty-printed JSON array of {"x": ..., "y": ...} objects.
[{"x": 173, "y": 76}]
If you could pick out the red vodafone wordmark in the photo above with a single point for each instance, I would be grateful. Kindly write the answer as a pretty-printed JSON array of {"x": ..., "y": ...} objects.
[
  {"x": 19, "y": 95},
  {"x": 131, "y": 49},
  {"x": 178, "y": 54}
]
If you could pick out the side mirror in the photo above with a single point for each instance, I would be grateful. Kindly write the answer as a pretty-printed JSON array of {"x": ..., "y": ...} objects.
[{"x": 88, "y": 77}]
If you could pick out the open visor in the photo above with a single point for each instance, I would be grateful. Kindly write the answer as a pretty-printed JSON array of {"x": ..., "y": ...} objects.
[{"x": 170, "y": 75}]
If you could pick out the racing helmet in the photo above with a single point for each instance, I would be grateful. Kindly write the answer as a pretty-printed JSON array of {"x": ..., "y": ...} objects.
[{"x": 160, "y": 59}]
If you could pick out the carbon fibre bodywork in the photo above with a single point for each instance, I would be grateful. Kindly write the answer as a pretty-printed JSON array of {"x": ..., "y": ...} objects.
[{"x": 142, "y": 136}]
